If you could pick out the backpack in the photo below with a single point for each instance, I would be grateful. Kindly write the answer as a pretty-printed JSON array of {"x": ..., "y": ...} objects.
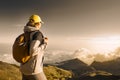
[{"x": 20, "y": 48}]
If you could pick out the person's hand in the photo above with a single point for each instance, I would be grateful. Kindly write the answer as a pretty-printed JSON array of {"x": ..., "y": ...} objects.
[{"x": 46, "y": 40}]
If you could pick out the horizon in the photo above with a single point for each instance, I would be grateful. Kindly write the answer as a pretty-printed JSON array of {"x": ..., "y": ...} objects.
[
  {"x": 69, "y": 24},
  {"x": 57, "y": 55}
]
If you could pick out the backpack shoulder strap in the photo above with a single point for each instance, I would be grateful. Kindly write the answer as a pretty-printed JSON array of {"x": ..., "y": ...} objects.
[{"x": 38, "y": 36}]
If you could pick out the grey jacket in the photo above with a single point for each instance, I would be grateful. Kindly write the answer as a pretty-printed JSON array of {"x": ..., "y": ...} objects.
[{"x": 35, "y": 64}]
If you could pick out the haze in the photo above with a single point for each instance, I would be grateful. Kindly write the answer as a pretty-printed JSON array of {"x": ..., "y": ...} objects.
[{"x": 69, "y": 24}]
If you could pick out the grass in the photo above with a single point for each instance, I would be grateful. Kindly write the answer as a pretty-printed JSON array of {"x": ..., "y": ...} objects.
[
  {"x": 11, "y": 72},
  {"x": 55, "y": 73}
]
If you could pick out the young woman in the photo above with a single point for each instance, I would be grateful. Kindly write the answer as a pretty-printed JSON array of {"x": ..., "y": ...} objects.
[{"x": 33, "y": 68}]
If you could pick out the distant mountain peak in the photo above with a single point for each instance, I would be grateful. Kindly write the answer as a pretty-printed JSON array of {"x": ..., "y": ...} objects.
[
  {"x": 76, "y": 65},
  {"x": 84, "y": 55}
]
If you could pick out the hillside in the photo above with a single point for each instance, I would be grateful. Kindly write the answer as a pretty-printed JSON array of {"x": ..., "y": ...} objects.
[
  {"x": 11, "y": 72},
  {"x": 112, "y": 66},
  {"x": 96, "y": 75},
  {"x": 55, "y": 73},
  {"x": 73, "y": 69}
]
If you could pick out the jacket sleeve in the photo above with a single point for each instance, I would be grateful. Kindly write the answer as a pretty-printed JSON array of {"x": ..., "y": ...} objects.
[
  {"x": 35, "y": 48},
  {"x": 37, "y": 44}
]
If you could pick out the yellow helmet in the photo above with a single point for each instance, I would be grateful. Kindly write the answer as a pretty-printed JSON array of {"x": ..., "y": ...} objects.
[{"x": 35, "y": 18}]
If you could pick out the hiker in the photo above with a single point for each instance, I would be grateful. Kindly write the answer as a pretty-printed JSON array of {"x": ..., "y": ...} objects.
[{"x": 33, "y": 68}]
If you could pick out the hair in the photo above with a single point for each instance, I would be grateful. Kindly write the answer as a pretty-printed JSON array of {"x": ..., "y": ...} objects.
[{"x": 31, "y": 23}]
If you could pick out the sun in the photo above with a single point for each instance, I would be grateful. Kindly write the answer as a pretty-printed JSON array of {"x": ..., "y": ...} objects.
[{"x": 105, "y": 44}]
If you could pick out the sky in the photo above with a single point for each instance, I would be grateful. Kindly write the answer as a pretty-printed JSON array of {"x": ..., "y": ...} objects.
[{"x": 69, "y": 24}]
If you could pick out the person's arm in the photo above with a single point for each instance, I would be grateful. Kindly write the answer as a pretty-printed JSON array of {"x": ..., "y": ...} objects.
[
  {"x": 37, "y": 44},
  {"x": 35, "y": 48}
]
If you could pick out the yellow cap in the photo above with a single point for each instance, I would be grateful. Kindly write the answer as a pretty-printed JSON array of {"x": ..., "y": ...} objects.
[{"x": 36, "y": 19}]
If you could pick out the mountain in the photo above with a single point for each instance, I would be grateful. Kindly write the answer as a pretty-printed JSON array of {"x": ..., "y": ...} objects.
[
  {"x": 84, "y": 55},
  {"x": 112, "y": 66},
  {"x": 76, "y": 66},
  {"x": 84, "y": 72}
]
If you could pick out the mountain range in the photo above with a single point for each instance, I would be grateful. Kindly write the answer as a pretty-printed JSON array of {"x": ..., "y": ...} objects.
[
  {"x": 112, "y": 66},
  {"x": 108, "y": 70}
]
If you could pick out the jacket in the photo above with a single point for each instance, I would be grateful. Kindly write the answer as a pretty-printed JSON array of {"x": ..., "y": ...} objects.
[{"x": 35, "y": 63}]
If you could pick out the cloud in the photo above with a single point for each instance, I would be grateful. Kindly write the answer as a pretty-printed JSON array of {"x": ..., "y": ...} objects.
[
  {"x": 53, "y": 56},
  {"x": 89, "y": 57},
  {"x": 84, "y": 55},
  {"x": 108, "y": 56},
  {"x": 104, "y": 57}
]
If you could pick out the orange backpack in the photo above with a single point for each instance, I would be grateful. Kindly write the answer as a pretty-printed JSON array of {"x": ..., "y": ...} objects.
[{"x": 20, "y": 49}]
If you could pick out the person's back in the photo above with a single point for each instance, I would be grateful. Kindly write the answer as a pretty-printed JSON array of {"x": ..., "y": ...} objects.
[{"x": 33, "y": 68}]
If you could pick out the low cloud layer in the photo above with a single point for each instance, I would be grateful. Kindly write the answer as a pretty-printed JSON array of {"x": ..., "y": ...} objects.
[
  {"x": 56, "y": 56},
  {"x": 83, "y": 54},
  {"x": 88, "y": 57}
]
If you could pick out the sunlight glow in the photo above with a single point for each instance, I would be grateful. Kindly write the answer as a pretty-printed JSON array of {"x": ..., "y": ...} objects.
[{"x": 105, "y": 44}]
